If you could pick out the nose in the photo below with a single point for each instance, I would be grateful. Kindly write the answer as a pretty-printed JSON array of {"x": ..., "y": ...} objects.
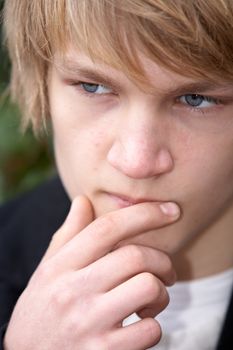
[{"x": 140, "y": 151}]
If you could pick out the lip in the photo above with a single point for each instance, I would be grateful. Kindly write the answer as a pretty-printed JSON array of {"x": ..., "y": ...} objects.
[{"x": 126, "y": 201}]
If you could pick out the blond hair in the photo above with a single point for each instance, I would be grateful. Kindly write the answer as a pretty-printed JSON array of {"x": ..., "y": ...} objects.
[{"x": 190, "y": 37}]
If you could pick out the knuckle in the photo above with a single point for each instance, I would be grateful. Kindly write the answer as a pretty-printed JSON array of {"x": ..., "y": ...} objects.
[
  {"x": 152, "y": 215},
  {"x": 45, "y": 271},
  {"x": 162, "y": 299},
  {"x": 169, "y": 271},
  {"x": 152, "y": 330},
  {"x": 62, "y": 293},
  {"x": 166, "y": 269},
  {"x": 61, "y": 297},
  {"x": 73, "y": 328},
  {"x": 135, "y": 256},
  {"x": 151, "y": 285},
  {"x": 167, "y": 263},
  {"x": 85, "y": 278},
  {"x": 166, "y": 300}
]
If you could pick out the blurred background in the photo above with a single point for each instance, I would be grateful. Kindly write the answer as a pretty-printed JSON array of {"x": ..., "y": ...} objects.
[{"x": 24, "y": 161}]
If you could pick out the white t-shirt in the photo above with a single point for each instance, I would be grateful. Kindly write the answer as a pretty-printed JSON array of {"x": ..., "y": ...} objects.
[{"x": 195, "y": 314}]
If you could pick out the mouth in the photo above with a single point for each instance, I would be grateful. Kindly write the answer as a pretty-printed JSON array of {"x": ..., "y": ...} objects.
[{"x": 125, "y": 201}]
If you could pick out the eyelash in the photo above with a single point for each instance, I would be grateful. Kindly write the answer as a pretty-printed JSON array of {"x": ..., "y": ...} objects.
[
  {"x": 80, "y": 86},
  {"x": 198, "y": 108}
]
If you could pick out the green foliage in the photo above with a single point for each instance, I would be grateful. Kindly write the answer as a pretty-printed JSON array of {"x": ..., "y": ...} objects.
[{"x": 24, "y": 161}]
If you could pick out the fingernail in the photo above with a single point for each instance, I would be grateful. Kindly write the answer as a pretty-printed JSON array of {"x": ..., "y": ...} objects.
[{"x": 170, "y": 209}]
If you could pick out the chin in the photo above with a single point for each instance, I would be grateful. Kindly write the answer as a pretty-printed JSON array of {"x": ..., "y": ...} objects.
[{"x": 161, "y": 239}]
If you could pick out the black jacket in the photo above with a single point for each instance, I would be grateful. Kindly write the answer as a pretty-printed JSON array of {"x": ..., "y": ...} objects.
[{"x": 26, "y": 226}]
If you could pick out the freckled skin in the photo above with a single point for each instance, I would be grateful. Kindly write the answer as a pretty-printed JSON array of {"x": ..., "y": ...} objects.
[
  {"x": 117, "y": 149},
  {"x": 131, "y": 145}
]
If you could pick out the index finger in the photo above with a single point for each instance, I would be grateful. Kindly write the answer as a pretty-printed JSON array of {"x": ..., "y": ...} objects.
[{"x": 100, "y": 237}]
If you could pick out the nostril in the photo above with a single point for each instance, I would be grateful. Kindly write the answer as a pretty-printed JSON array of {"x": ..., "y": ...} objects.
[{"x": 164, "y": 160}]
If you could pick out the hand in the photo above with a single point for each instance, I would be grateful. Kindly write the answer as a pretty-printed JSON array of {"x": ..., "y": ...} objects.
[{"x": 84, "y": 287}]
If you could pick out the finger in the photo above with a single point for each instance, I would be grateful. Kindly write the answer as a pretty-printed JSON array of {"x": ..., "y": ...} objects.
[
  {"x": 100, "y": 237},
  {"x": 143, "y": 291},
  {"x": 123, "y": 263},
  {"x": 140, "y": 335},
  {"x": 80, "y": 215}
]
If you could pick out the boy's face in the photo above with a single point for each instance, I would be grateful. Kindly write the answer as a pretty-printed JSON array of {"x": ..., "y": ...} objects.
[{"x": 119, "y": 145}]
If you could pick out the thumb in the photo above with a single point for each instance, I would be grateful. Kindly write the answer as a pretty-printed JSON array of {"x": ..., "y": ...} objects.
[{"x": 80, "y": 215}]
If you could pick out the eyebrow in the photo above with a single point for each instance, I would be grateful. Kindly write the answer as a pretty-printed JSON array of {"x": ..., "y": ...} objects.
[
  {"x": 202, "y": 87},
  {"x": 95, "y": 74}
]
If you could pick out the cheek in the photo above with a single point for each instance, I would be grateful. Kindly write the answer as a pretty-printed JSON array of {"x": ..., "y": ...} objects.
[
  {"x": 204, "y": 158},
  {"x": 202, "y": 181},
  {"x": 80, "y": 151},
  {"x": 208, "y": 185}
]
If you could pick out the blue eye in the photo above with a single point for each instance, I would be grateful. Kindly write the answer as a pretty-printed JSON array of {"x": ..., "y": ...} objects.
[
  {"x": 95, "y": 88},
  {"x": 197, "y": 101},
  {"x": 193, "y": 100}
]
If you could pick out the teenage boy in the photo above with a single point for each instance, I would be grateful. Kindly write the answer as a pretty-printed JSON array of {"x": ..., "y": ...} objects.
[{"x": 139, "y": 97}]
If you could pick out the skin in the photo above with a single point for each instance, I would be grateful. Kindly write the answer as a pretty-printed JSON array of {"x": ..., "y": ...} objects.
[
  {"x": 67, "y": 316},
  {"x": 116, "y": 252},
  {"x": 152, "y": 146}
]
